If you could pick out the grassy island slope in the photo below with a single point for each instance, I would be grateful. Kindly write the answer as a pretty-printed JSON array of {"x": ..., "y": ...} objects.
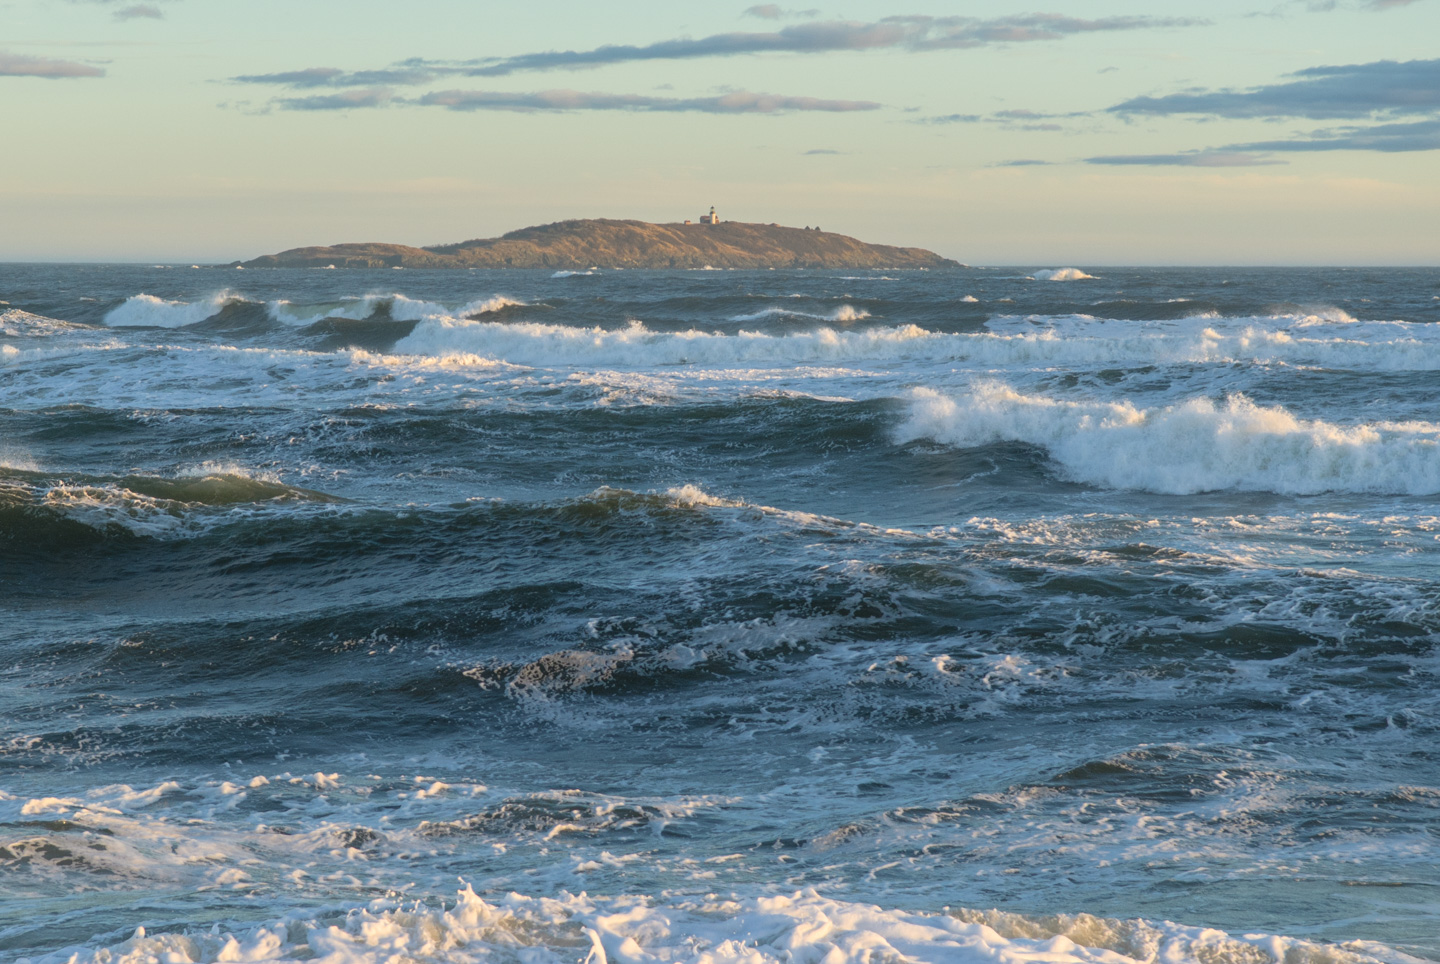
[{"x": 623, "y": 244}]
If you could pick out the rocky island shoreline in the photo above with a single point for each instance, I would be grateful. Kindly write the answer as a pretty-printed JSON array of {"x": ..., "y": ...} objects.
[{"x": 584, "y": 243}]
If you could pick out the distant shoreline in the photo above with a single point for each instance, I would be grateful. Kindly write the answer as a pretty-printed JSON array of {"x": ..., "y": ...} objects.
[{"x": 604, "y": 243}]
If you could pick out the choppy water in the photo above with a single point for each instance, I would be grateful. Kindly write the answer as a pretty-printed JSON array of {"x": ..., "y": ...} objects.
[{"x": 722, "y": 616}]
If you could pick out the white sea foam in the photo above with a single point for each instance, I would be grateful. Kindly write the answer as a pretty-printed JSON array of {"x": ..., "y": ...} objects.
[
  {"x": 1206, "y": 337},
  {"x": 15, "y": 323},
  {"x": 1195, "y": 446},
  {"x": 1063, "y": 274},
  {"x": 844, "y": 313},
  {"x": 575, "y": 274},
  {"x": 148, "y": 311},
  {"x": 799, "y": 928}
]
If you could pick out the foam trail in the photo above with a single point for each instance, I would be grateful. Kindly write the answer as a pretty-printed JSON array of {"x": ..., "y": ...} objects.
[{"x": 1196, "y": 446}]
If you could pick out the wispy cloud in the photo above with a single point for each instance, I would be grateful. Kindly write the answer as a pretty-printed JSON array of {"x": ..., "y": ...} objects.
[
  {"x": 311, "y": 77},
  {"x": 773, "y": 11},
  {"x": 1389, "y": 4},
  {"x": 736, "y": 102},
  {"x": 909, "y": 32},
  {"x": 1022, "y": 162},
  {"x": 135, "y": 11},
  {"x": 142, "y": 11},
  {"x": 1015, "y": 119},
  {"x": 1218, "y": 158},
  {"x": 952, "y": 119},
  {"x": 343, "y": 100},
  {"x": 1392, "y": 138},
  {"x": 1330, "y": 92},
  {"x": 822, "y": 150},
  {"x": 20, "y": 65}
]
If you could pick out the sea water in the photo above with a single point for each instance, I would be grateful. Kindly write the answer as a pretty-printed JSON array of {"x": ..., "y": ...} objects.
[{"x": 1020, "y": 614}]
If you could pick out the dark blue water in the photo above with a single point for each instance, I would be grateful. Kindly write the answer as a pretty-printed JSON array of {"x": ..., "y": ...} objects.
[{"x": 662, "y": 616}]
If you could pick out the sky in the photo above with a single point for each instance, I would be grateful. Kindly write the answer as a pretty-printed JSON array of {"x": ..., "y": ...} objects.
[{"x": 1090, "y": 133}]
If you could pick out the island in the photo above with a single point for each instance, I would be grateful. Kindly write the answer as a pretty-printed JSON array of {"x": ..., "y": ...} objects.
[{"x": 606, "y": 243}]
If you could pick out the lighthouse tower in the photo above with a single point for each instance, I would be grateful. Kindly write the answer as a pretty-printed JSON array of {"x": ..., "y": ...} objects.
[{"x": 711, "y": 218}]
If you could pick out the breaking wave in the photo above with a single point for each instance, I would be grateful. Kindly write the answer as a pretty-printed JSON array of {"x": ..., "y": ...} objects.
[
  {"x": 1196, "y": 446},
  {"x": 1075, "y": 340},
  {"x": 1063, "y": 274},
  {"x": 396, "y": 307},
  {"x": 635, "y": 345},
  {"x": 149, "y": 311}
]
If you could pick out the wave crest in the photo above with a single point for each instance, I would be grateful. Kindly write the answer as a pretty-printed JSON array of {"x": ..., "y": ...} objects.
[{"x": 1195, "y": 446}]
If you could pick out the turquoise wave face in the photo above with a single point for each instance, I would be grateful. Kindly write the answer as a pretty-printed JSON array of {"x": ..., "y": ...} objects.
[{"x": 657, "y": 615}]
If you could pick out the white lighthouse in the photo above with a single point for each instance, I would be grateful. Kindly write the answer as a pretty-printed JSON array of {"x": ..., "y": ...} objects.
[{"x": 711, "y": 218}]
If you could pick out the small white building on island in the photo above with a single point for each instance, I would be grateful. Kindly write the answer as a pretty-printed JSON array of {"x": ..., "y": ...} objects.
[{"x": 711, "y": 218}]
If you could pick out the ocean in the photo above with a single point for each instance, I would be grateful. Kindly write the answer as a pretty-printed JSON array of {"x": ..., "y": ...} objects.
[{"x": 988, "y": 614}]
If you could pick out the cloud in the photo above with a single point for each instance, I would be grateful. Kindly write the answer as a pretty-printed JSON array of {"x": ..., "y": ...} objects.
[
  {"x": 822, "y": 150},
  {"x": 737, "y": 102},
  {"x": 335, "y": 77},
  {"x": 344, "y": 100},
  {"x": 1330, "y": 92},
  {"x": 1385, "y": 138},
  {"x": 1388, "y": 4},
  {"x": 915, "y": 33},
  {"x": 1019, "y": 120},
  {"x": 1022, "y": 162},
  {"x": 772, "y": 11},
  {"x": 19, "y": 65},
  {"x": 140, "y": 11},
  {"x": 1216, "y": 158},
  {"x": 135, "y": 11},
  {"x": 952, "y": 119}
]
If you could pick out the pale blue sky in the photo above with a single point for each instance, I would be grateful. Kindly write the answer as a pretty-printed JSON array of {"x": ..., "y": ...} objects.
[{"x": 1273, "y": 131}]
